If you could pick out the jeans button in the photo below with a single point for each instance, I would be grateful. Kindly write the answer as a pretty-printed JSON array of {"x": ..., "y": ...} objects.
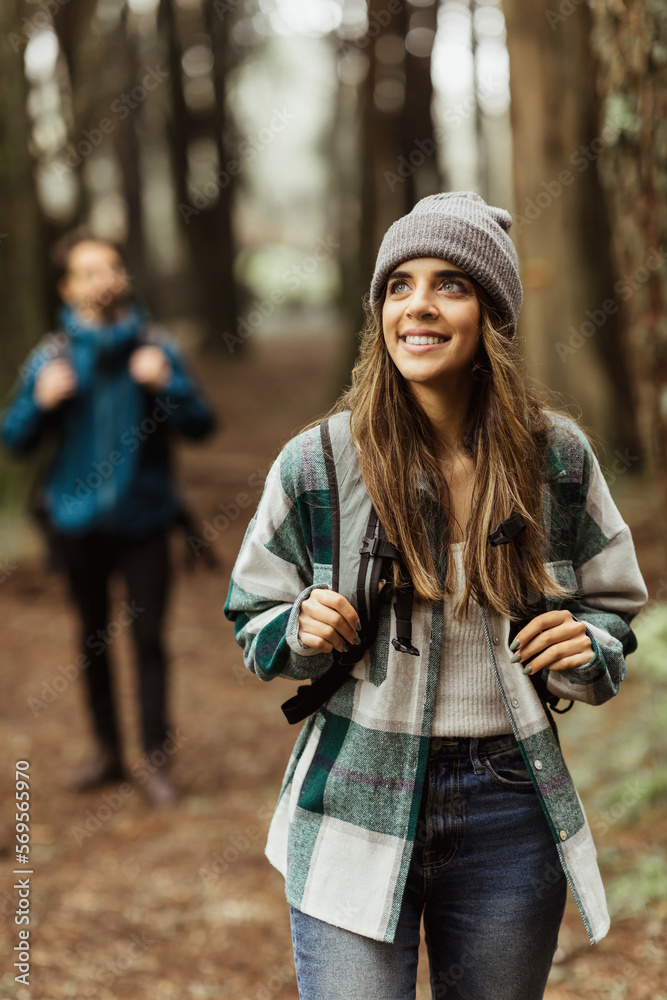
[{"x": 436, "y": 743}]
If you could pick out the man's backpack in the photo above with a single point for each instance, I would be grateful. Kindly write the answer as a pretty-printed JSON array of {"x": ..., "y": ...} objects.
[{"x": 357, "y": 572}]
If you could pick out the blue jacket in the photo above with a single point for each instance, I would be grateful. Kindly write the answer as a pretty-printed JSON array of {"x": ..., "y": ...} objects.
[{"x": 111, "y": 468}]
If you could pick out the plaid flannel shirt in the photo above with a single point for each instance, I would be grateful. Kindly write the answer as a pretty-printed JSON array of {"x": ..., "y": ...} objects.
[{"x": 345, "y": 823}]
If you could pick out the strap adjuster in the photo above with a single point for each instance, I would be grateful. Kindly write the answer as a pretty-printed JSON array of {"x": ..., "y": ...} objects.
[
  {"x": 506, "y": 531},
  {"x": 374, "y": 546},
  {"x": 403, "y": 645}
]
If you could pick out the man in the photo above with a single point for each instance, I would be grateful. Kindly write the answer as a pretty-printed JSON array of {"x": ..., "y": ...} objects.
[{"x": 111, "y": 387}]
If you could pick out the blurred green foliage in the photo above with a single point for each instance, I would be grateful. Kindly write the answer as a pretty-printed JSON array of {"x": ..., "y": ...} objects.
[
  {"x": 651, "y": 631},
  {"x": 617, "y": 754}
]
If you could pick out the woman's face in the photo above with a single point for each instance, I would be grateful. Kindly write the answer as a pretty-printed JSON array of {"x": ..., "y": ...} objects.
[{"x": 431, "y": 321}]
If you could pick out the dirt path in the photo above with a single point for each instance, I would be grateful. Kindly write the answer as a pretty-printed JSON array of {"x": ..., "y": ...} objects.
[{"x": 135, "y": 904}]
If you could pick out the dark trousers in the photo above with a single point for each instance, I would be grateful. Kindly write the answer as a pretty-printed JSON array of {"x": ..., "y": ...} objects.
[{"x": 145, "y": 565}]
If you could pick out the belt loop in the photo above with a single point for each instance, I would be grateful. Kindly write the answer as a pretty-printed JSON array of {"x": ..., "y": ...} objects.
[{"x": 474, "y": 755}]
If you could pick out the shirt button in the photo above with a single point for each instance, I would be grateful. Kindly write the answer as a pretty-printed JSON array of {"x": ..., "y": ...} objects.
[
  {"x": 496, "y": 640},
  {"x": 563, "y": 834},
  {"x": 538, "y": 765},
  {"x": 515, "y": 703}
]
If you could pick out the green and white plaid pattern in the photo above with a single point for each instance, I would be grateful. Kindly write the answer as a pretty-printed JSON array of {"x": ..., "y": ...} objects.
[{"x": 344, "y": 827}]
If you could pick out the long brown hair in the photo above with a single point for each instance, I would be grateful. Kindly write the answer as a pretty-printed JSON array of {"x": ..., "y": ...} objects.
[{"x": 505, "y": 434}]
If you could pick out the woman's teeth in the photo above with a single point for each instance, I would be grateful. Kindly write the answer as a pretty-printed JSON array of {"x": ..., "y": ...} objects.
[{"x": 425, "y": 340}]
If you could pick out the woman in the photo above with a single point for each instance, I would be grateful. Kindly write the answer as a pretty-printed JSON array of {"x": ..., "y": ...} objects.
[{"x": 434, "y": 784}]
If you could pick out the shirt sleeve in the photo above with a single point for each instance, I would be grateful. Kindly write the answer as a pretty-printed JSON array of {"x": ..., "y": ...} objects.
[
  {"x": 610, "y": 592},
  {"x": 273, "y": 575}
]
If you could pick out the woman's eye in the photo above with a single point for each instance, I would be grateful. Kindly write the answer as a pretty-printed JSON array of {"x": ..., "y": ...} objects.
[
  {"x": 453, "y": 286},
  {"x": 398, "y": 286}
]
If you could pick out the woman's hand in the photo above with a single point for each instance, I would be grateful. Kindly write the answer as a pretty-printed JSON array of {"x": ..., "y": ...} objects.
[
  {"x": 560, "y": 641},
  {"x": 327, "y": 621}
]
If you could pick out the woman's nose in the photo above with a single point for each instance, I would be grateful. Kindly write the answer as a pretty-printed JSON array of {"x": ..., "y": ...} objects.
[{"x": 422, "y": 302}]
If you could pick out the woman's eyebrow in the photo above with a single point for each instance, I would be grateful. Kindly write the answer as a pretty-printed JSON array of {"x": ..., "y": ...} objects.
[{"x": 445, "y": 273}]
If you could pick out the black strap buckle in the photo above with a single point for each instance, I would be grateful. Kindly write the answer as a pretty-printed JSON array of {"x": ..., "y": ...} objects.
[
  {"x": 404, "y": 646},
  {"x": 506, "y": 531},
  {"x": 374, "y": 546}
]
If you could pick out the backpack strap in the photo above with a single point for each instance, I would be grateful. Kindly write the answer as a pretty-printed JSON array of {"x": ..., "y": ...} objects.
[
  {"x": 356, "y": 572},
  {"x": 504, "y": 533}
]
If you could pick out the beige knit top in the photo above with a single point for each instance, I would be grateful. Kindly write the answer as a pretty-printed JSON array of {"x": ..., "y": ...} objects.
[{"x": 468, "y": 701}]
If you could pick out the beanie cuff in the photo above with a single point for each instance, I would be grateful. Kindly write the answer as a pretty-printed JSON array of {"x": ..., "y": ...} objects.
[{"x": 461, "y": 228}]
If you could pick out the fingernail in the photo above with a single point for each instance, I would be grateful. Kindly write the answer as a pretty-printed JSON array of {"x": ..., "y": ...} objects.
[
  {"x": 358, "y": 625},
  {"x": 515, "y": 645},
  {"x": 515, "y": 658},
  {"x": 357, "y": 640},
  {"x": 527, "y": 669}
]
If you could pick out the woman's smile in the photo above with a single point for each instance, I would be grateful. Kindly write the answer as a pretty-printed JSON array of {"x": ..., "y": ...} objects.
[{"x": 423, "y": 338}]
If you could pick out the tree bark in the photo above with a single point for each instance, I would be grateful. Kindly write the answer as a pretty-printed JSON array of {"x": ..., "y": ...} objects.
[
  {"x": 630, "y": 41},
  {"x": 20, "y": 250},
  {"x": 207, "y": 229},
  {"x": 571, "y": 317}
]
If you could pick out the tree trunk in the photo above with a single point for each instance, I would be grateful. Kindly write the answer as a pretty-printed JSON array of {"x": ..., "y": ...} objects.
[
  {"x": 23, "y": 320},
  {"x": 207, "y": 226},
  {"x": 20, "y": 250},
  {"x": 420, "y": 148},
  {"x": 571, "y": 317},
  {"x": 630, "y": 41},
  {"x": 384, "y": 125}
]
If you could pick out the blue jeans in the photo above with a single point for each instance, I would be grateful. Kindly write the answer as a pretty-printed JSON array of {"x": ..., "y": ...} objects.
[{"x": 486, "y": 877}]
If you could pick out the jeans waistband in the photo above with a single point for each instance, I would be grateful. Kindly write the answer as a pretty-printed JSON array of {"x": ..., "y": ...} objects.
[{"x": 464, "y": 746}]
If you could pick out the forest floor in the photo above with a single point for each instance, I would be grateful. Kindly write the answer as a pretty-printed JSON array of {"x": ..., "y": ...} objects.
[{"x": 130, "y": 903}]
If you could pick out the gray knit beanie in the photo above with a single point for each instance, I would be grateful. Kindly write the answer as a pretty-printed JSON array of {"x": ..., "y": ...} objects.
[{"x": 457, "y": 226}]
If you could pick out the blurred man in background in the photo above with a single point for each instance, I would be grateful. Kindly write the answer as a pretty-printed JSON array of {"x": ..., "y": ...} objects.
[{"x": 109, "y": 387}]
